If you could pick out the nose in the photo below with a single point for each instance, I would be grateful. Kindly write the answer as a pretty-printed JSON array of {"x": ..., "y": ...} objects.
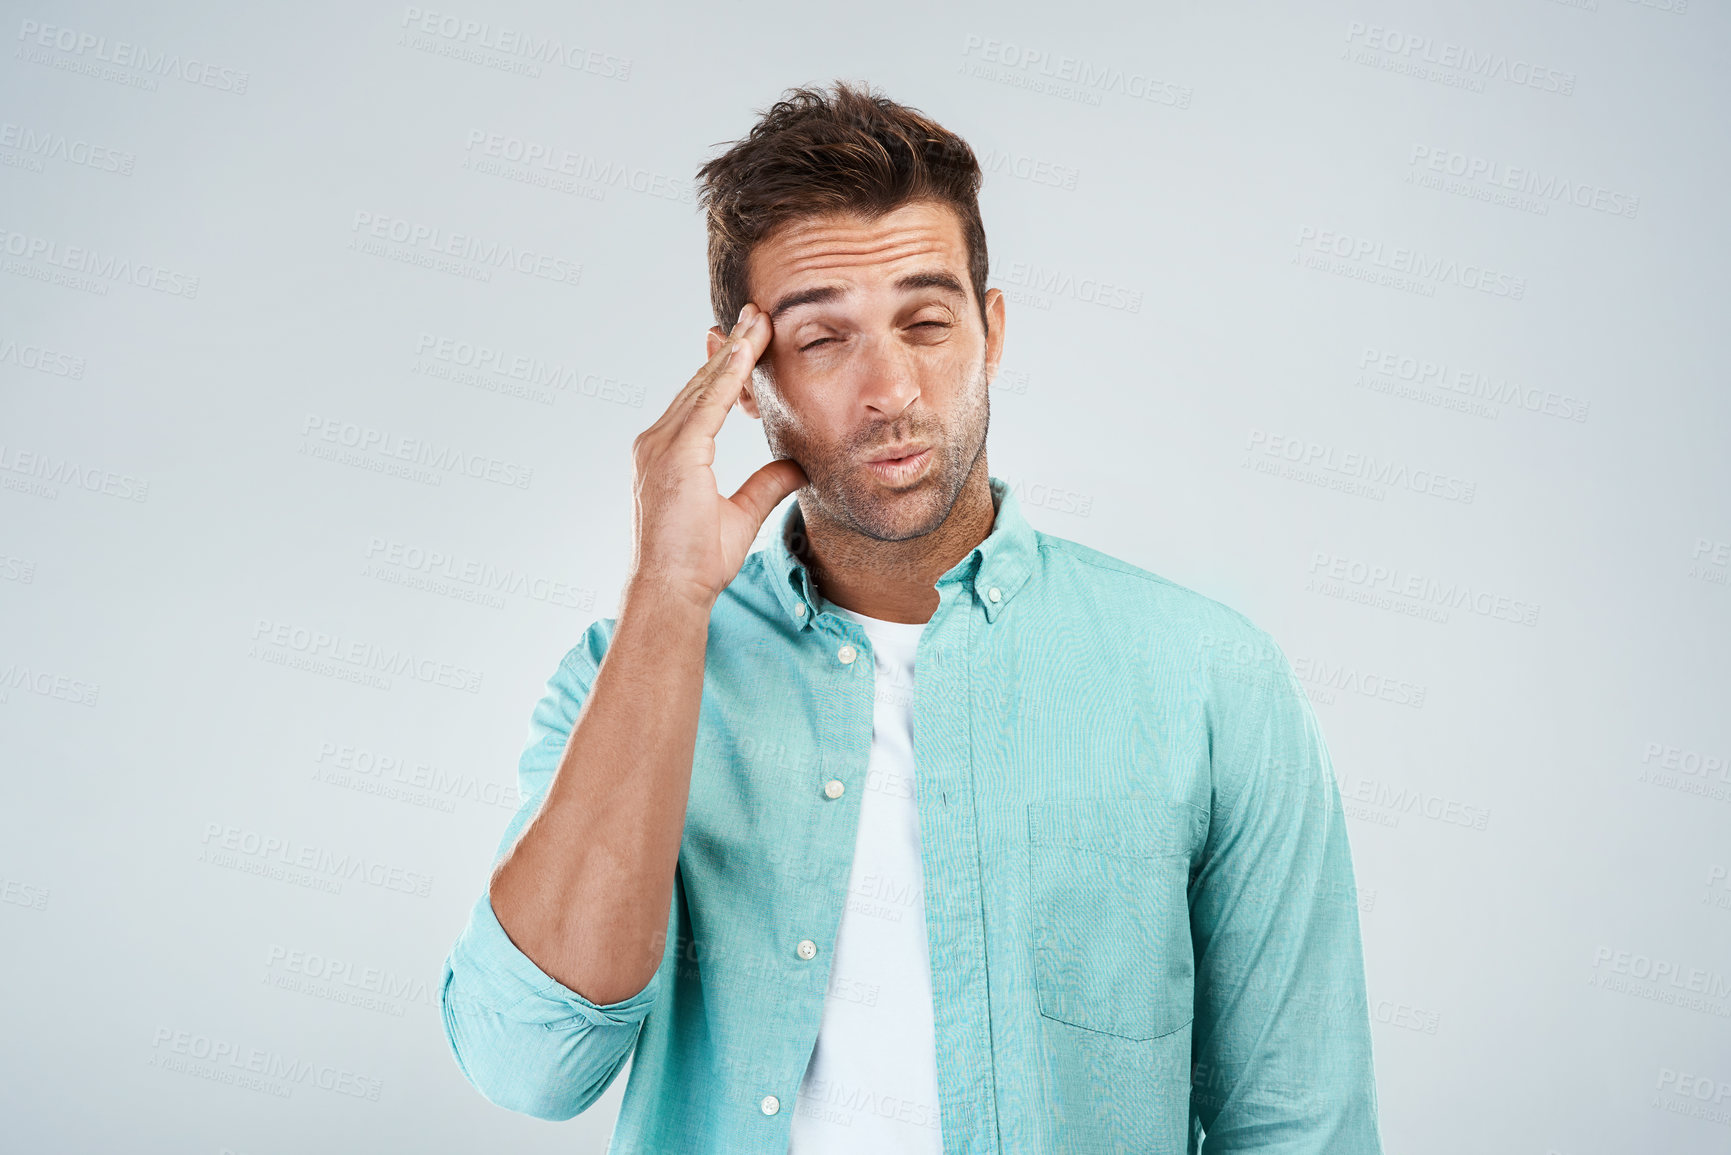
[{"x": 888, "y": 378}]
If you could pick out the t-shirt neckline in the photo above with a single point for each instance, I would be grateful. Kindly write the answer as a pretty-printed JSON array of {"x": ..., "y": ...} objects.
[{"x": 879, "y": 627}]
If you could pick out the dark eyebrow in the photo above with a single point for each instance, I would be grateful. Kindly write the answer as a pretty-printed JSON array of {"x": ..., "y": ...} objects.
[
  {"x": 939, "y": 280},
  {"x": 822, "y": 293},
  {"x": 804, "y": 297}
]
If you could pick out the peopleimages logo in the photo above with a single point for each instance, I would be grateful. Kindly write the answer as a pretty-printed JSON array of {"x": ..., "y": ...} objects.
[
  {"x": 88, "y": 262},
  {"x": 481, "y": 577},
  {"x": 87, "y": 46},
  {"x": 1349, "y": 679},
  {"x": 44, "y": 471},
  {"x": 1407, "y": 47},
  {"x": 255, "y": 1068},
  {"x": 1416, "y": 594},
  {"x": 1689, "y": 1094},
  {"x": 16, "y": 676},
  {"x": 455, "y": 32},
  {"x": 284, "y": 642},
  {"x": 1470, "y": 383},
  {"x": 24, "y": 894},
  {"x": 1087, "y": 290},
  {"x": 1669, "y": 972},
  {"x": 1384, "y": 803},
  {"x": 1694, "y": 1086},
  {"x": 17, "y": 569},
  {"x": 433, "y": 241},
  {"x": 483, "y": 146},
  {"x": 41, "y": 359},
  {"x": 1062, "y": 75},
  {"x": 1405, "y": 264},
  {"x": 1687, "y": 771},
  {"x": 328, "y": 869},
  {"x": 431, "y": 457},
  {"x": 411, "y": 780},
  {"x": 344, "y": 981},
  {"x": 1331, "y": 463},
  {"x": 1710, "y": 561},
  {"x": 1497, "y": 177},
  {"x": 1033, "y": 169},
  {"x": 1681, "y": 759},
  {"x": 39, "y": 145},
  {"x": 535, "y": 373}
]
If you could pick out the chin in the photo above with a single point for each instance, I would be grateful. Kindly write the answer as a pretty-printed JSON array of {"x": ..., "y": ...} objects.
[{"x": 895, "y": 514}]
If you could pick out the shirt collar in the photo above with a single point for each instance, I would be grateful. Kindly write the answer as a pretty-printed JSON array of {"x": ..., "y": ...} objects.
[{"x": 995, "y": 569}]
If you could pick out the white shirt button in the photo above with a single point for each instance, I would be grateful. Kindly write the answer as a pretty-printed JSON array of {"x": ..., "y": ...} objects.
[
  {"x": 806, "y": 948},
  {"x": 995, "y": 594},
  {"x": 833, "y": 788},
  {"x": 771, "y": 1104},
  {"x": 799, "y": 610},
  {"x": 847, "y": 654}
]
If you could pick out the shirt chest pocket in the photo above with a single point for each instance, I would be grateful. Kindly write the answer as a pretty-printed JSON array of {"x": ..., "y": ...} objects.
[{"x": 1108, "y": 883}]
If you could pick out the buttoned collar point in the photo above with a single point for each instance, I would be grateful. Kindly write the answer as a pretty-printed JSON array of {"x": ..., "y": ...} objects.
[{"x": 995, "y": 569}]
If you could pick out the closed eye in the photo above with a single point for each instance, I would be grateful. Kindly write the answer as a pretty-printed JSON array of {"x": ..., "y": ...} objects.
[{"x": 917, "y": 325}]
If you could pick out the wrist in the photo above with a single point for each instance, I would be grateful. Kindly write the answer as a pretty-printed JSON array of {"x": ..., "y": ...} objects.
[{"x": 661, "y": 597}]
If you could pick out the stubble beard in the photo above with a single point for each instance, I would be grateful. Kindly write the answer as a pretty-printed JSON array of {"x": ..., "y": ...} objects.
[{"x": 844, "y": 491}]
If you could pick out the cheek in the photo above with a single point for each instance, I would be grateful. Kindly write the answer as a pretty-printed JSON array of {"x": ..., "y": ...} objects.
[
  {"x": 949, "y": 381},
  {"x": 784, "y": 408},
  {"x": 803, "y": 391}
]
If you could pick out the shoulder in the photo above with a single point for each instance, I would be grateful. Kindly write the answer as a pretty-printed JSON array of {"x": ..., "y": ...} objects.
[
  {"x": 1120, "y": 588},
  {"x": 1236, "y": 672}
]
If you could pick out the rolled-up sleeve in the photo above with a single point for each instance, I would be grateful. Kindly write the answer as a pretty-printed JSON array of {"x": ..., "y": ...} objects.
[
  {"x": 524, "y": 1040},
  {"x": 1281, "y": 1046}
]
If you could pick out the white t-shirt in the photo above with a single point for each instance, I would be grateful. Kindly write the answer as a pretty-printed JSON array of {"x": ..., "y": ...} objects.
[{"x": 872, "y": 1086}]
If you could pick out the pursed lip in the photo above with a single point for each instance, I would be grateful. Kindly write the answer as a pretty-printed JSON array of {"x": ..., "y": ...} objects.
[{"x": 896, "y": 452}]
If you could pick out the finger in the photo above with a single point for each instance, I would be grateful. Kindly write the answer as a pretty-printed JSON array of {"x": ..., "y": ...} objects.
[
  {"x": 674, "y": 414},
  {"x": 711, "y": 403},
  {"x": 676, "y": 408},
  {"x": 763, "y": 490},
  {"x": 716, "y": 375},
  {"x": 748, "y": 317}
]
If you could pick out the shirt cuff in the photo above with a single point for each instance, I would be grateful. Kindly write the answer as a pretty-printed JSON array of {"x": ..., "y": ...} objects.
[{"x": 493, "y": 971}]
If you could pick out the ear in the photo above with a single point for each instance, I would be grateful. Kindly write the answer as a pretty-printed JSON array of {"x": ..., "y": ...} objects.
[
  {"x": 994, "y": 332},
  {"x": 746, "y": 401}
]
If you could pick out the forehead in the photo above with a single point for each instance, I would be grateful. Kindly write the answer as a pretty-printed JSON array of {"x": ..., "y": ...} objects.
[{"x": 848, "y": 249}]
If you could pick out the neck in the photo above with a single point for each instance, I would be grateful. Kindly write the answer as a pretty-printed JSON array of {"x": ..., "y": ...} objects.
[{"x": 897, "y": 580}]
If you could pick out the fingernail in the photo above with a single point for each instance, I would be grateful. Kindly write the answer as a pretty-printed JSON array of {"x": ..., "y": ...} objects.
[{"x": 743, "y": 310}]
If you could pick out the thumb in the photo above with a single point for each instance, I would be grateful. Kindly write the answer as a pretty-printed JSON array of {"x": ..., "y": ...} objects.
[{"x": 764, "y": 489}]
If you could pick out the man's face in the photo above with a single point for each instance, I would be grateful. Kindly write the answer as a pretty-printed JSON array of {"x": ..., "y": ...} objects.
[{"x": 876, "y": 373}]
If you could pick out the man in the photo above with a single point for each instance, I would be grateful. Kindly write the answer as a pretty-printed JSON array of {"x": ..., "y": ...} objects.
[{"x": 1081, "y": 885}]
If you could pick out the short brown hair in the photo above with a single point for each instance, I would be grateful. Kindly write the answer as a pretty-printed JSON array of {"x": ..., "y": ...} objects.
[{"x": 814, "y": 153}]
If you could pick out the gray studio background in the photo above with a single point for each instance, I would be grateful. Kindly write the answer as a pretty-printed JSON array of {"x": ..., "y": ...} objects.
[{"x": 324, "y": 333}]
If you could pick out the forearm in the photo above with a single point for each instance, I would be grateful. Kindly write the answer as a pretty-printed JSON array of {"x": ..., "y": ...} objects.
[{"x": 585, "y": 890}]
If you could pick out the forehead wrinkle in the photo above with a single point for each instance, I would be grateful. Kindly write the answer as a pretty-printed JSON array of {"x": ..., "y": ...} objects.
[
  {"x": 890, "y": 249},
  {"x": 836, "y": 246},
  {"x": 819, "y": 264}
]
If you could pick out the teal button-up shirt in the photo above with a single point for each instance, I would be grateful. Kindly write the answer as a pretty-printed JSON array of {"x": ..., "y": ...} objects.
[{"x": 1138, "y": 890}]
